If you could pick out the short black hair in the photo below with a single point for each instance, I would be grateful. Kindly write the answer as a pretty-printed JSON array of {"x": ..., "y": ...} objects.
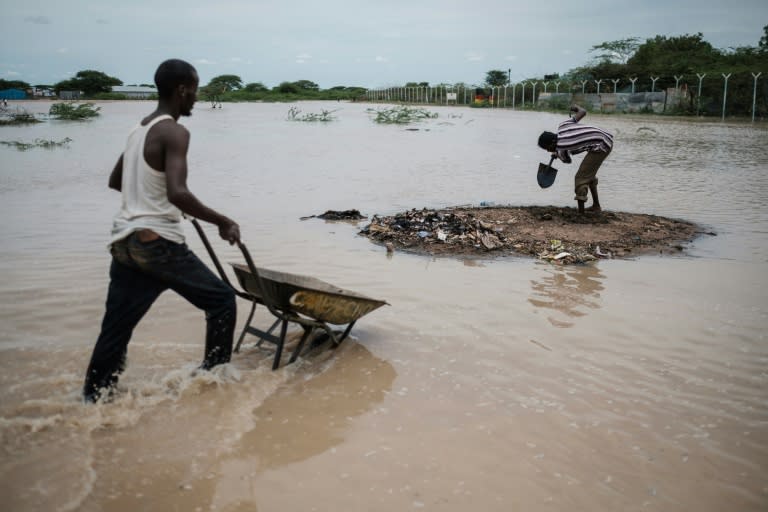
[
  {"x": 546, "y": 139},
  {"x": 172, "y": 73}
]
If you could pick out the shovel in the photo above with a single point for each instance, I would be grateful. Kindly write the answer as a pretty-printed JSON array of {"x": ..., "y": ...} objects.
[{"x": 547, "y": 174}]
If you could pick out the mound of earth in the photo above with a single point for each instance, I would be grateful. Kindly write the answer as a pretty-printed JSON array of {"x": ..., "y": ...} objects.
[{"x": 553, "y": 233}]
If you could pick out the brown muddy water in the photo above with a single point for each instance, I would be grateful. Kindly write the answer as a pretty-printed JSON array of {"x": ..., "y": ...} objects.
[{"x": 488, "y": 384}]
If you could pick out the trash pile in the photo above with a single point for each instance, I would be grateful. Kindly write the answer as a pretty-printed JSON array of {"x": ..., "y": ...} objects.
[
  {"x": 460, "y": 231},
  {"x": 558, "y": 235}
]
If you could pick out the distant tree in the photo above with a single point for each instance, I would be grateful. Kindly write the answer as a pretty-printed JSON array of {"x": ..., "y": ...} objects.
[
  {"x": 618, "y": 51},
  {"x": 225, "y": 83},
  {"x": 496, "y": 78},
  {"x": 89, "y": 81},
  {"x": 306, "y": 85},
  {"x": 673, "y": 55},
  {"x": 256, "y": 87},
  {"x": 13, "y": 84},
  {"x": 763, "y": 44},
  {"x": 287, "y": 88}
]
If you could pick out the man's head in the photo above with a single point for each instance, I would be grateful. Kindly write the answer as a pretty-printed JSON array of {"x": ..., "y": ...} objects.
[
  {"x": 548, "y": 141},
  {"x": 177, "y": 79}
]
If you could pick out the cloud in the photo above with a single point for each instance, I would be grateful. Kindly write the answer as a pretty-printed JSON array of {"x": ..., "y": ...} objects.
[
  {"x": 379, "y": 58},
  {"x": 62, "y": 50},
  {"x": 38, "y": 20},
  {"x": 235, "y": 59},
  {"x": 474, "y": 57},
  {"x": 102, "y": 21},
  {"x": 302, "y": 58},
  {"x": 12, "y": 73},
  {"x": 205, "y": 62},
  {"x": 511, "y": 58}
]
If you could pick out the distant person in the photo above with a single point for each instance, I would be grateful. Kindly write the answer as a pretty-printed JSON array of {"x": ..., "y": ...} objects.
[
  {"x": 149, "y": 255},
  {"x": 573, "y": 138},
  {"x": 5, "y": 102}
]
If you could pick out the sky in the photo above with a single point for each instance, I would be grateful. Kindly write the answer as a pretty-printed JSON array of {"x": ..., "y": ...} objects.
[{"x": 362, "y": 43}]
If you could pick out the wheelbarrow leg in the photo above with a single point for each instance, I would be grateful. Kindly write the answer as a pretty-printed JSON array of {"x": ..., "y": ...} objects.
[
  {"x": 280, "y": 343},
  {"x": 307, "y": 334},
  {"x": 347, "y": 331},
  {"x": 269, "y": 331},
  {"x": 247, "y": 325}
]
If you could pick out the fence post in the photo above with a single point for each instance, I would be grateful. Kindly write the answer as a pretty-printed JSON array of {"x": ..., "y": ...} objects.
[
  {"x": 653, "y": 83},
  {"x": 615, "y": 84},
  {"x": 598, "y": 82},
  {"x": 633, "y": 80},
  {"x": 677, "y": 81},
  {"x": 754, "y": 94},
  {"x": 698, "y": 94},
  {"x": 557, "y": 87},
  {"x": 522, "y": 100},
  {"x": 725, "y": 92},
  {"x": 513, "y": 96},
  {"x": 583, "y": 85},
  {"x": 533, "y": 94}
]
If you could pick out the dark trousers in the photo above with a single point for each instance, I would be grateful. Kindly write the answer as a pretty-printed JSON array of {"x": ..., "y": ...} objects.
[{"x": 139, "y": 273}]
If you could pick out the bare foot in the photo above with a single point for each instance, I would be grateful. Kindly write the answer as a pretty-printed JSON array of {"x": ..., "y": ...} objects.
[{"x": 593, "y": 209}]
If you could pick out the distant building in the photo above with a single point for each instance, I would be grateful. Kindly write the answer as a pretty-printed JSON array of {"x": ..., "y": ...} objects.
[
  {"x": 42, "y": 92},
  {"x": 12, "y": 94},
  {"x": 70, "y": 95},
  {"x": 134, "y": 91}
]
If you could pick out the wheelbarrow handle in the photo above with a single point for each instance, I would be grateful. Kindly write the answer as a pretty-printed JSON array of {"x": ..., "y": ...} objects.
[
  {"x": 212, "y": 254},
  {"x": 249, "y": 261}
]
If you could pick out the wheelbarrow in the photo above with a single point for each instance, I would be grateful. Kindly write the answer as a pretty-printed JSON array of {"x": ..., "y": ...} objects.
[{"x": 310, "y": 303}]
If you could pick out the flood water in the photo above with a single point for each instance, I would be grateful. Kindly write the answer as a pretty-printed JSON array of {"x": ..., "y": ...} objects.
[{"x": 489, "y": 384}]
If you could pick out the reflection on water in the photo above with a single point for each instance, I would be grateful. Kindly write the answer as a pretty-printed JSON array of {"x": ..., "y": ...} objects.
[
  {"x": 569, "y": 290},
  {"x": 304, "y": 418},
  {"x": 313, "y": 414}
]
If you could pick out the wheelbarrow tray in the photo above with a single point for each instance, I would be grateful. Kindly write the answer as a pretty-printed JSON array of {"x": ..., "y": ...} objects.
[{"x": 307, "y": 295}]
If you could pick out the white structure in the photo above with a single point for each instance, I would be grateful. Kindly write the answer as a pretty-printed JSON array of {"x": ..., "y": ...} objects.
[{"x": 134, "y": 91}]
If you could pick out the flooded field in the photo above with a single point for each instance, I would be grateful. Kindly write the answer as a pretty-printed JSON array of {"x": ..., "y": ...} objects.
[{"x": 487, "y": 384}]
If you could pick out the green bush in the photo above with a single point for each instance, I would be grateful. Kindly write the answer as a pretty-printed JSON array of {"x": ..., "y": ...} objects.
[{"x": 73, "y": 111}]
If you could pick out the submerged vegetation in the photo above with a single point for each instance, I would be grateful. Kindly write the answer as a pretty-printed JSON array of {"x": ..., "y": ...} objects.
[
  {"x": 18, "y": 117},
  {"x": 294, "y": 114},
  {"x": 73, "y": 111},
  {"x": 38, "y": 143},
  {"x": 401, "y": 114}
]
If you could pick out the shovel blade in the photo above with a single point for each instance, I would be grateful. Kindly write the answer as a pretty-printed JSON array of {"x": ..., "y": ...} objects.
[{"x": 546, "y": 175}]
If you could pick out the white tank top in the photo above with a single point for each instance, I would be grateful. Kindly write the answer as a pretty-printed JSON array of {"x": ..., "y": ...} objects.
[{"x": 145, "y": 202}]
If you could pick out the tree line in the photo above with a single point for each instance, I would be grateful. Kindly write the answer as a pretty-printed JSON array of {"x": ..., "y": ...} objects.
[{"x": 663, "y": 62}]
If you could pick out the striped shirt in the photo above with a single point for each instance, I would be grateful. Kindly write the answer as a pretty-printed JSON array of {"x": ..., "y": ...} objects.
[{"x": 574, "y": 138}]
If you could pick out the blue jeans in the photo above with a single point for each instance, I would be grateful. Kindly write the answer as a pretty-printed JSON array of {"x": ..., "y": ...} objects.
[{"x": 139, "y": 273}]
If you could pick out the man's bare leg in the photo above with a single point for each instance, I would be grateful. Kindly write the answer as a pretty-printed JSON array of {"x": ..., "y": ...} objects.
[
  {"x": 595, "y": 201},
  {"x": 581, "y": 206}
]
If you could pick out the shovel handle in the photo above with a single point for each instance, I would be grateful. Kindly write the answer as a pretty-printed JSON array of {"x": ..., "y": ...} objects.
[{"x": 552, "y": 159}]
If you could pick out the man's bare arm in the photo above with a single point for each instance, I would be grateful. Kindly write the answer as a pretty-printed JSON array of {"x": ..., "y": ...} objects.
[
  {"x": 177, "y": 144},
  {"x": 116, "y": 177},
  {"x": 578, "y": 113}
]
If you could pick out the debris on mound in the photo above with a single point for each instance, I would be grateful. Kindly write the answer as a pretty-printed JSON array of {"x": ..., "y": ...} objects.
[
  {"x": 336, "y": 215},
  {"x": 556, "y": 234}
]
